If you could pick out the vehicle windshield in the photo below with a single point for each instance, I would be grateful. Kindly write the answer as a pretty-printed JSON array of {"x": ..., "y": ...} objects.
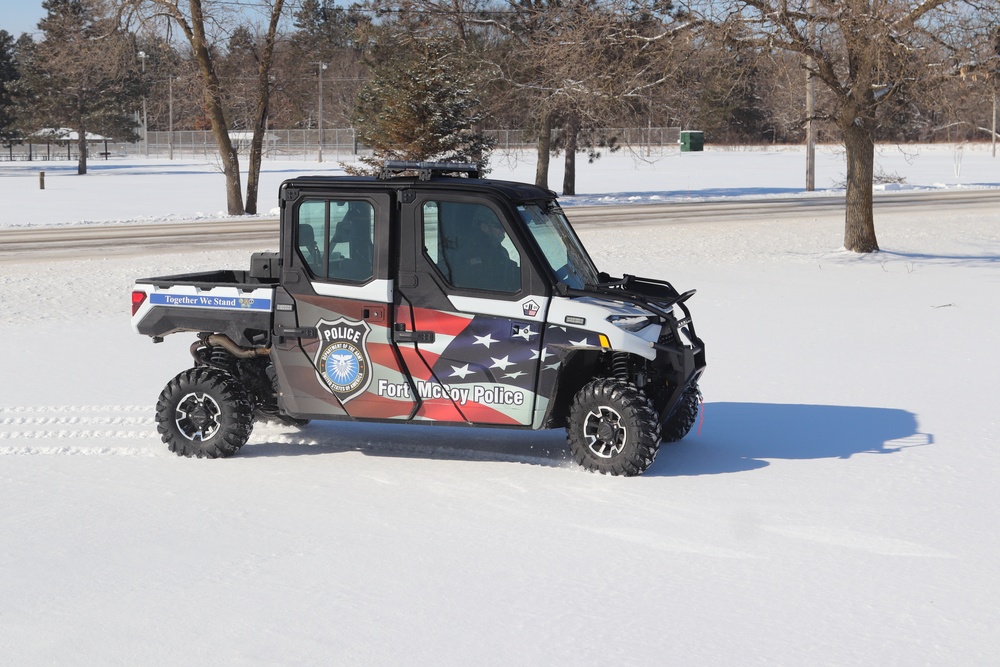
[{"x": 560, "y": 245}]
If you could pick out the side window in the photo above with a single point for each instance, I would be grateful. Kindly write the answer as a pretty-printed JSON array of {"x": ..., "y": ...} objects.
[
  {"x": 470, "y": 247},
  {"x": 336, "y": 239},
  {"x": 312, "y": 236}
]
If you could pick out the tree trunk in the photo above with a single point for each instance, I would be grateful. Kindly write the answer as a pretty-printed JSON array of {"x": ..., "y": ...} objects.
[
  {"x": 544, "y": 151},
  {"x": 81, "y": 147},
  {"x": 572, "y": 140},
  {"x": 263, "y": 107},
  {"x": 216, "y": 113},
  {"x": 859, "y": 230},
  {"x": 256, "y": 149},
  {"x": 230, "y": 158}
]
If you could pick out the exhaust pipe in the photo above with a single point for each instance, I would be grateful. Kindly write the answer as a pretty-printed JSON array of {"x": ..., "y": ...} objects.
[{"x": 227, "y": 343}]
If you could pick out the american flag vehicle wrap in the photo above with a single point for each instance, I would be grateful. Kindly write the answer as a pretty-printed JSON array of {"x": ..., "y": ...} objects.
[{"x": 479, "y": 368}]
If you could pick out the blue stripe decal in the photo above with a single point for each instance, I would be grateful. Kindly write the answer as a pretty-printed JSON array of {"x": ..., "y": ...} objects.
[{"x": 208, "y": 301}]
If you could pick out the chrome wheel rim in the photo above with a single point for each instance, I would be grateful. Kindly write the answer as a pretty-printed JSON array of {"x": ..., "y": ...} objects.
[
  {"x": 198, "y": 417},
  {"x": 604, "y": 432}
]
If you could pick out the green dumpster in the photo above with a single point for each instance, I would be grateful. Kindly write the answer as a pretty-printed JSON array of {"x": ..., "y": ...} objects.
[{"x": 692, "y": 141}]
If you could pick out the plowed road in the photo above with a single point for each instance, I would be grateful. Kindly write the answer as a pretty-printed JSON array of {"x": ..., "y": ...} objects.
[{"x": 131, "y": 239}]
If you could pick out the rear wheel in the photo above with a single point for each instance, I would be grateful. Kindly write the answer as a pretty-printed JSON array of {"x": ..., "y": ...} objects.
[
  {"x": 613, "y": 428},
  {"x": 204, "y": 412}
]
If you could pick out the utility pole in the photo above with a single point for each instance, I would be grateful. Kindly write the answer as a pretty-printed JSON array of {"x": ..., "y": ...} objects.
[
  {"x": 170, "y": 119},
  {"x": 145, "y": 124},
  {"x": 322, "y": 67}
]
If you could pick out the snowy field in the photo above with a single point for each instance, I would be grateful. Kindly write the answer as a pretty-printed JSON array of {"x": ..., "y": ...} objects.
[
  {"x": 836, "y": 506},
  {"x": 138, "y": 190}
]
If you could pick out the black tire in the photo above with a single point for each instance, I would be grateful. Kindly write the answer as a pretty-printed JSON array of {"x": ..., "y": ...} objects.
[
  {"x": 680, "y": 421},
  {"x": 613, "y": 428},
  {"x": 204, "y": 412}
]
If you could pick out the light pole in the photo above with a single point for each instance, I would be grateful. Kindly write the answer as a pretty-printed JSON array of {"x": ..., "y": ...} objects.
[
  {"x": 322, "y": 67},
  {"x": 993, "y": 127},
  {"x": 170, "y": 118},
  {"x": 145, "y": 125}
]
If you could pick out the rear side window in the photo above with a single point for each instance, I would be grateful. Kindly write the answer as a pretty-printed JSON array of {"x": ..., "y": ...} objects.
[{"x": 335, "y": 239}]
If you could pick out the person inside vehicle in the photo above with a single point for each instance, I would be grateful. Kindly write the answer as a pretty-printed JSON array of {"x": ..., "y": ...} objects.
[
  {"x": 307, "y": 246},
  {"x": 353, "y": 234},
  {"x": 483, "y": 261}
]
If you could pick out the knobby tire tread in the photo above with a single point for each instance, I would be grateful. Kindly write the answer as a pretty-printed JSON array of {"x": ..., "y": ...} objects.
[
  {"x": 226, "y": 390},
  {"x": 684, "y": 416},
  {"x": 635, "y": 409}
]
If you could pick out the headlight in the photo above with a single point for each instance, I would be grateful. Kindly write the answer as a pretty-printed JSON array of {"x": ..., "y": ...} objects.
[{"x": 631, "y": 323}]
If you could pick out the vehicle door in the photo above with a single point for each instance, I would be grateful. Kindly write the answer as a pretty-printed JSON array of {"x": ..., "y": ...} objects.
[
  {"x": 470, "y": 310},
  {"x": 333, "y": 346}
]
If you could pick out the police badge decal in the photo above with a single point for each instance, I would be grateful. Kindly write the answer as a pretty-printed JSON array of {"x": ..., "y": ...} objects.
[{"x": 342, "y": 363}]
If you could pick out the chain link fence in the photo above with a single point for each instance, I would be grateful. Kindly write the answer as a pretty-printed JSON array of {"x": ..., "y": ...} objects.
[{"x": 330, "y": 145}]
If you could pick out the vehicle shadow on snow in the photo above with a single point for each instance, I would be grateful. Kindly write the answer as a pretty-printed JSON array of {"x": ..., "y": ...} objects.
[
  {"x": 970, "y": 259},
  {"x": 738, "y": 437},
  {"x": 544, "y": 448},
  {"x": 733, "y": 437}
]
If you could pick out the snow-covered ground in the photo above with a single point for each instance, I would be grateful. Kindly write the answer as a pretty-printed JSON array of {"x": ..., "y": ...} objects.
[
  {"x": 138, "y": 190},
  {"x": 837, "y": 506}
]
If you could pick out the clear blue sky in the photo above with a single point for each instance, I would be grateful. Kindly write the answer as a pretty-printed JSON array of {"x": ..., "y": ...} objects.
[{"x": 17, "y": 16}]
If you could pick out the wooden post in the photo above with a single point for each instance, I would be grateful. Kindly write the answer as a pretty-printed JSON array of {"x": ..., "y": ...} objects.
[{"x": 41, "y": 180}]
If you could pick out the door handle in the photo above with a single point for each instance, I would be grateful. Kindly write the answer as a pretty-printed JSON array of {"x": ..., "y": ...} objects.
[
  {"x": 401, "y": 335},
  {"x": 299, "y": 332},
  {"x": 374, "y": 313}
]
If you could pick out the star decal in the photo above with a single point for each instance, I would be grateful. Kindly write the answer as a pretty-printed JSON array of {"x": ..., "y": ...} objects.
[
  {"x": 515, "y": 375},
  {"x": 580, "y": 343},
  {"x": 552, "y": 367},
  {"x": 486, "y": 340},
  {"x": 503, "y": 363},
  {"x": 543, "y": 356},
  {"x": 526, "y": 333},
  {"x": 462, "y": 371}
]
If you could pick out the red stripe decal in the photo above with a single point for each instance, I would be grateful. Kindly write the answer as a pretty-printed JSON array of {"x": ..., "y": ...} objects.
[{"x": 446, "y": 324}]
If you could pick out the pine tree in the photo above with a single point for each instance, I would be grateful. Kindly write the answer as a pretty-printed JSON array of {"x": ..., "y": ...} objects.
[
  {"x": 8, "y": 79},
  {"x": 83, "y": 74},
  {"x": 419, "y": 105}
]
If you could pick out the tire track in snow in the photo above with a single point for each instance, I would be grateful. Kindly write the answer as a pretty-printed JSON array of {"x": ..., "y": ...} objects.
[
  {"x": 19, "y": 409},
  {"x": 76, "y": 451},
  {"x": 85, "y": 430},
  {"x": 130, "y": 430},
  {"x": 60, "y": 421}
]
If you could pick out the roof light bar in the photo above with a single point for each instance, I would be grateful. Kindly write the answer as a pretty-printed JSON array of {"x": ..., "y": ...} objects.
[{"x": 425, "y": 170}]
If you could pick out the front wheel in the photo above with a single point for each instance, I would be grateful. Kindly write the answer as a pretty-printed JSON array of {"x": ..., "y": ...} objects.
[
  {"x": 679, "y": 422},
  {"x": 613, "y": 428},
  {"x": 204, "y": 412}
]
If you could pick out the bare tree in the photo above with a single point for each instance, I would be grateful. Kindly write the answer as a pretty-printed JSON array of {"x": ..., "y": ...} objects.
[
  {"x": 582, "y": 64},
  {"x": 867, "y": 53},
  {"x": 326, "y": 35},
  {"x": 969, "y": 108},
  {"x": 260, "y": 116},
  {"x": 192, "y": 19}
]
